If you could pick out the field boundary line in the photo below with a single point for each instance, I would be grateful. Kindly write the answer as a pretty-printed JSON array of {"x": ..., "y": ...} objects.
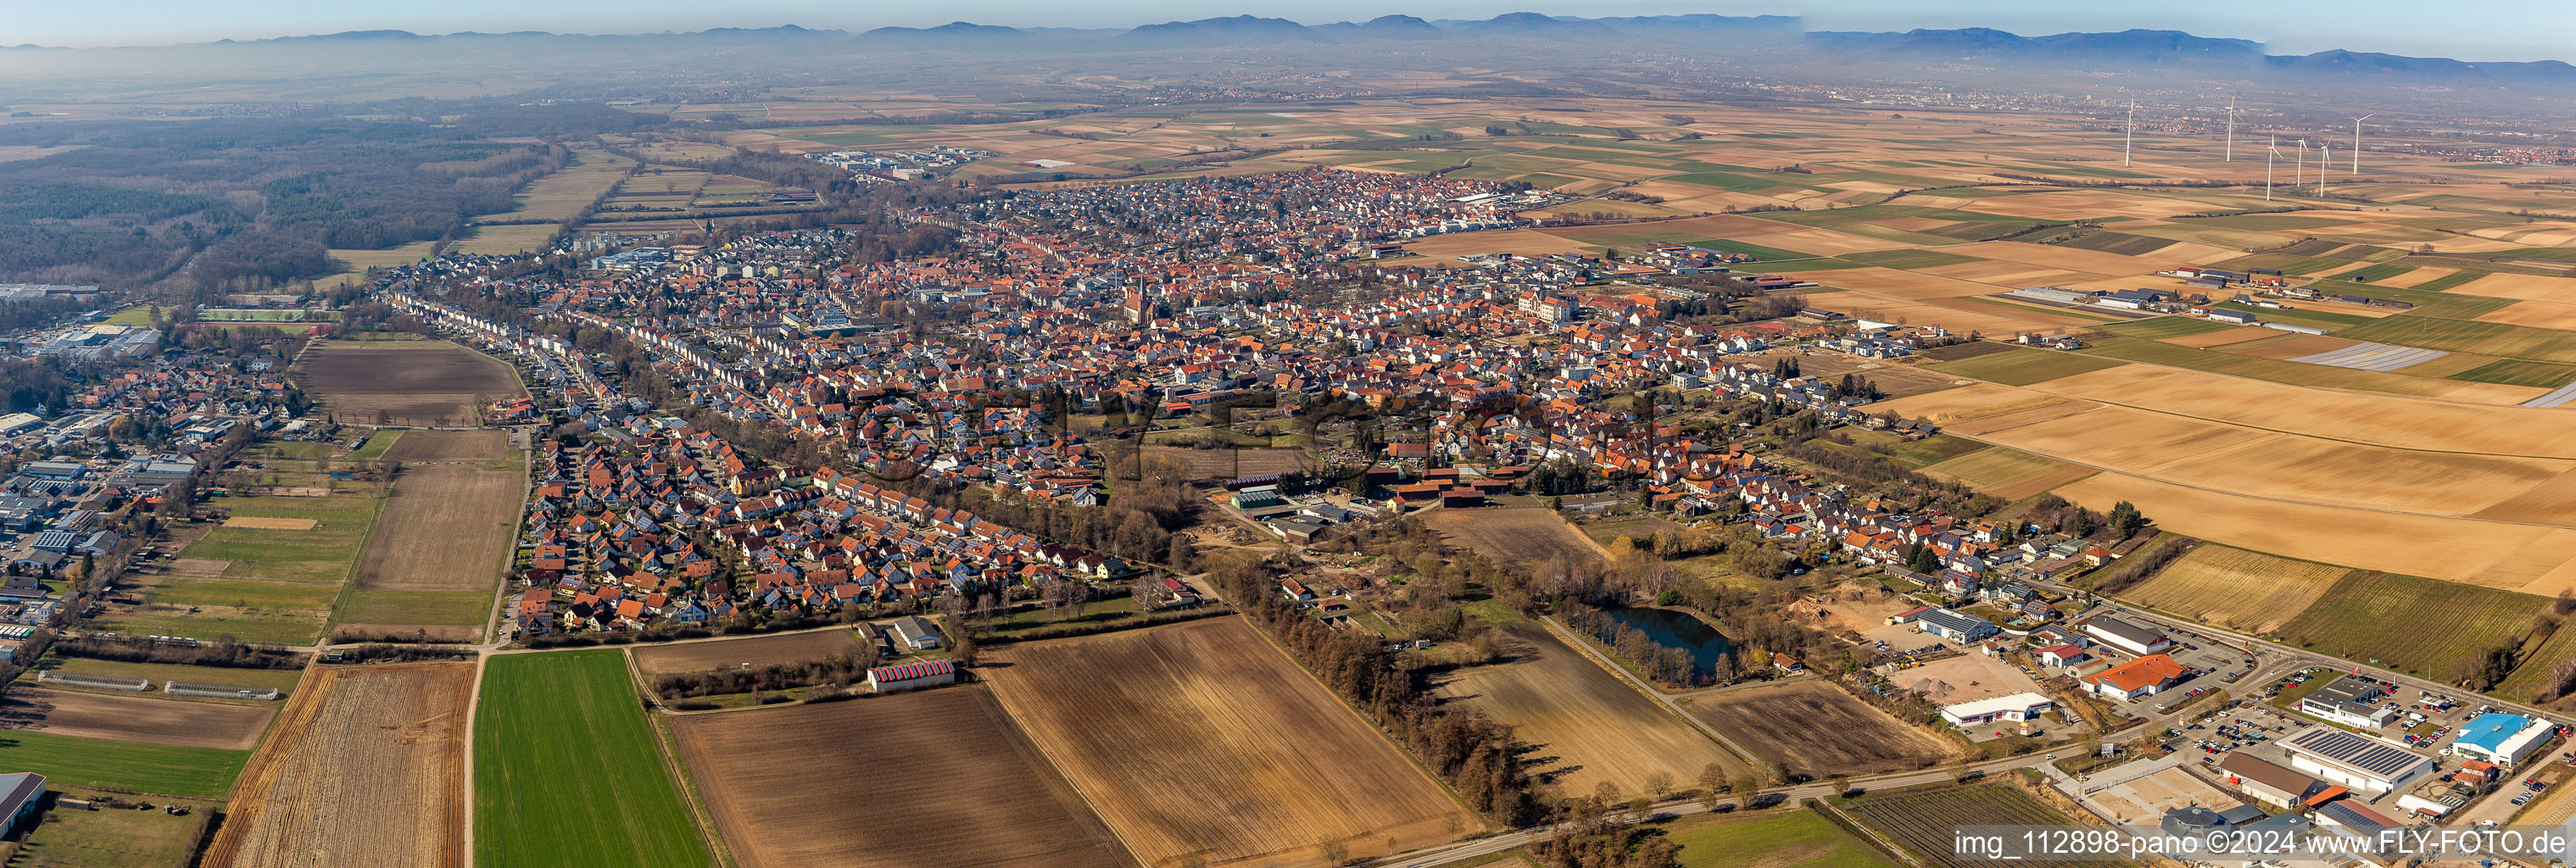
[
  {"x": 1666, "y": 702},
  {"x": 250, "y": 788},
  {"x": 1876, "y": 840},
  {"x": 667, "y": 744},
  {"x": 1480, "y": 819},
  {"x": 1002, "y": 698}
]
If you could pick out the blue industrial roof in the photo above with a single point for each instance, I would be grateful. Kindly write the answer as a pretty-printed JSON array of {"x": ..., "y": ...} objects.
[{"x": 2489, "y": 731}]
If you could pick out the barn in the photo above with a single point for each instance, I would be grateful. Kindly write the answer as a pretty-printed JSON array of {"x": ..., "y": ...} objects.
[
  {"x": 2127, "y": 636},
  {"x": 912, "y": 676}
]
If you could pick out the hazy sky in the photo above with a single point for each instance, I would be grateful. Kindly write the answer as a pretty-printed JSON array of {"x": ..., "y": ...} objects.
[{"x": 2466, "y": 29}]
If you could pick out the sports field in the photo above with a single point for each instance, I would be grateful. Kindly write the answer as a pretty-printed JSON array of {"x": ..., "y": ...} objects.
[{"x": 568, "y": 773}]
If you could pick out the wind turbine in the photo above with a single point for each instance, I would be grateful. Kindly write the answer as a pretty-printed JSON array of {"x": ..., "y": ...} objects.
[
  {"x": 2270, "y": 153},
  {"x": 2325, "y": 158},
  {"x": 2299, "y": 167},
  {"x": 2231, "y": 129},
  {"x": 2132, "y": 135},
  {"x": 2356, "y": 140}
]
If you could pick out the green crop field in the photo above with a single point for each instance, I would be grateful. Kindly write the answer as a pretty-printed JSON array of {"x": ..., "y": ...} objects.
[
  {"x": 2375, "y": 272},
  {"x": 124, "y": 766},
  {"x": 2352, "y": 620},
  {"x": 1925, "y": 822},
  {"x": 1787, "y": 839},
  {"x": 2022, "y": 367},
  {"x": 2166, "y": 327},
  {"x": 2449, "y": 281},
  {"x": 568, "y": 772},
  {"x": 2515, "y": 373},
  {"x": 2275, "y": 370},
  {"x": 1934, "y": 450},
  {"x": 2466, "y": 336},
  {"x": 2119, "y": 242}
]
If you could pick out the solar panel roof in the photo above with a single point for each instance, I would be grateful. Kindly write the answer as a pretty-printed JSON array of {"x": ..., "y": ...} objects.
[{"x": 2367, "y": 754}]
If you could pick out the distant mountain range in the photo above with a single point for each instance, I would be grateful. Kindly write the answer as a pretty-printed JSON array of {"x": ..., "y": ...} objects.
[{"x": 2167, "y": 51}]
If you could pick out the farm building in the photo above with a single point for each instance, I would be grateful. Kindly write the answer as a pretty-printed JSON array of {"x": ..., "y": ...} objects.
[
  {"x": 1954, "y": 626},
  {"x": 2017, "y": 707},
  {"x": 2234, "y": 316},
  {"x": 2347, "y": 701},
  {"x": 2138, "y": 678},
  {"x": 916, "y": 632},
  {"x": 20, "y": 794},
  {"x": 2269, "y": 782},
  {"x": 2503, "y": 739},
  {"x": 2294, "y": 329},
  {"x": 2126, "y": 636},
  {"x": 912, "y": 676},
  {"x": 2357, "y": 761}
]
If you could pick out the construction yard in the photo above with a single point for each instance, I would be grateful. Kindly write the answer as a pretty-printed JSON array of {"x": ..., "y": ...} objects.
[{"x": 366, "y": 768}]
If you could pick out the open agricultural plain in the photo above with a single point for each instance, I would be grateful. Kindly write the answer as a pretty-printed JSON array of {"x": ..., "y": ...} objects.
[
  {"x": 1202, "y": 743},
  {"x": 433, "y": 383},
  {"x": 1588, "y": 724},
  {"x": 439, "y": 545},
  {"x": 366, "y": 768},
  {"x": 780, "y": 782},
  {"x": 1814, "y": 729},
  {"x": 2238, "y": 589}
]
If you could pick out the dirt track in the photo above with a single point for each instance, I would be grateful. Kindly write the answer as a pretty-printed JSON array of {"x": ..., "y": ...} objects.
[{"x": 368, "y": 768}]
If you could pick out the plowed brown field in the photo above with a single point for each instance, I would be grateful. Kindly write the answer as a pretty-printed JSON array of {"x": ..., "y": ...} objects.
[
  {"x": 1201, "y": 740},
  {"x": 366, "y": 769},
  {"x": 145, "y": 719},
  {"x": 1588, "y": 721},
  {"x": 445, "y": 528},
  {"x": 403, "y": 382},
  {"x": 973, "y": 789}
]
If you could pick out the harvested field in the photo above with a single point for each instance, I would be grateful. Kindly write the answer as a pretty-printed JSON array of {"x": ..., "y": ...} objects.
[
  {"x": 1513, "y": 535},
  {"x": 450, "y": 446},
  {"x": 1595, "y": 726},
  {"x": 2529, "y": 287},
  {"x": 2010, "y": 474},
  {"x": 2397, "y": 542},
  {"x": 403, "y": 382},
  {"x": 142, "y": 719},
  {"x": 1811, "y": 728},
  {"x": 757, "y": 650},
  {"x": 1229, "y": 463},
  {"x": 1202, "y": 741},
  {"x": 781, "y": 781},
  {"x": 2237, "y": 589},
  {"x": 1925, "y": 823},
  {"x": 2400, "y": 422},
  {"x": 367, "y": 769},
  {"x": 271, "y": 523},
  {"x": 446, "y": 528},
  {"x": 2353, "y": 621}
]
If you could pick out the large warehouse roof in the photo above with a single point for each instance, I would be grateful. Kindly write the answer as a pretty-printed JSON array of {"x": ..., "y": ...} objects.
[{"x": 2367, "y": 755}]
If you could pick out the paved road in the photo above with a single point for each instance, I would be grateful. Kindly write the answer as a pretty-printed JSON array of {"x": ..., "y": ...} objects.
[{"x": 1791, "y": 795}]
